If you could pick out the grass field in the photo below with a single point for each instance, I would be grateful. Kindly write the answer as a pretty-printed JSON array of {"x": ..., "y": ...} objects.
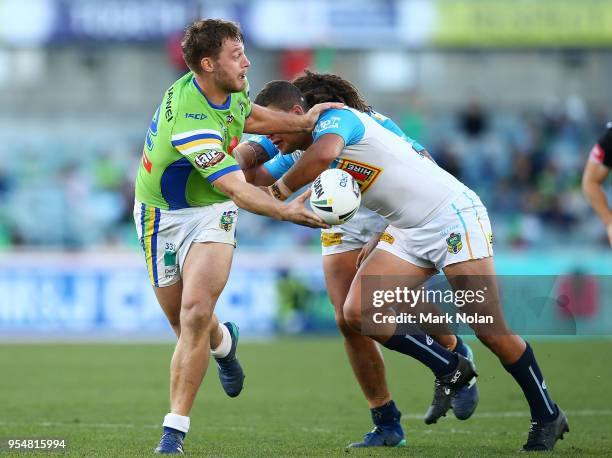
[{"x": 299, "y": 400}]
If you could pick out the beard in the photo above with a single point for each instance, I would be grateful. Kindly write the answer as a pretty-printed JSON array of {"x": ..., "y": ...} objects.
[{"x": 228, "y": 84}]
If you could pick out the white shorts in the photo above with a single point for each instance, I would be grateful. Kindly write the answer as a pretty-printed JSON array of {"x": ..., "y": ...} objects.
[
  {"x": 353, "y": 234},
  {"x": 460, "y": 232},
  {"x": 167, "y": 235}
]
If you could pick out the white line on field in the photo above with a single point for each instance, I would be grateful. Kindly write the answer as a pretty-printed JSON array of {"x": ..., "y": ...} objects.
[{"x": 409, "y": 416}]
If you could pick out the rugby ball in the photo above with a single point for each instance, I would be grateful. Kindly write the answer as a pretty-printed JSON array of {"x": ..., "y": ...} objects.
[{"x": 335, "y": 196}]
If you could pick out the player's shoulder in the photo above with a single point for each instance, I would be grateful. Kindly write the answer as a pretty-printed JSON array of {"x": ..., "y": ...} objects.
[
  {"x": 605, "y": 143},
  {"x": 606, "y": 139},
  {"x": 602, "y": 150},
  {"x": 188, "y": 111},
  {"x": 336, "y": 118},
  {"x": 378, "y": 116}
]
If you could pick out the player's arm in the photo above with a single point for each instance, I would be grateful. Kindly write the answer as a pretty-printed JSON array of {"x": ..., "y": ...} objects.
[
  {"x": 317, "y": 158},
  {"x": 593, "y": 179},
  {"x": 222, "y": 171},
  {"x": 262, "y": 120},
  {"x": 595, "y": 174},
  {"x": 255, "y": 200},
  {"x": 251, "y": 156}
]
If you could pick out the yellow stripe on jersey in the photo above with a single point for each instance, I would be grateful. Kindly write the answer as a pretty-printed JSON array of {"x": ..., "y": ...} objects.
[{"x": 196, "y": 145}]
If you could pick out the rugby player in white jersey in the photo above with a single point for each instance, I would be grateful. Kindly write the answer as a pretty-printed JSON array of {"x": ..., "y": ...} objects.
[
  {"x": 342, "y": 248},
  {"x": 436, "y": 224}
]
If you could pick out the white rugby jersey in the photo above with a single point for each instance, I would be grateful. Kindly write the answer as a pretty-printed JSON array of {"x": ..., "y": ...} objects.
[{"x": 406, "y": 189}]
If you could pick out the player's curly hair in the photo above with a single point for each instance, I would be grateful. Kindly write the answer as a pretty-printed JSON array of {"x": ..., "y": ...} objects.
[
  {"x": 204, "y": 38},
  {"x": 325, "y": 87}
]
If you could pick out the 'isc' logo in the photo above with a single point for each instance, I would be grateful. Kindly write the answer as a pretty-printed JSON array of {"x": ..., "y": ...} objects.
[{"x": 196, "y": 116}]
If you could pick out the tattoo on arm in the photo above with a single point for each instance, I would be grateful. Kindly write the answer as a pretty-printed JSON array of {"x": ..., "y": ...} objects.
[
  {"x": 250, "y": 155},
  {"x": 260, "y": 154},
  {"x": 275, "y": 190}
]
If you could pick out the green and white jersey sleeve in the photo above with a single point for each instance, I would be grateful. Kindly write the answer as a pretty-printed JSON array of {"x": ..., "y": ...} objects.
[{"x": 188, "y": 146}]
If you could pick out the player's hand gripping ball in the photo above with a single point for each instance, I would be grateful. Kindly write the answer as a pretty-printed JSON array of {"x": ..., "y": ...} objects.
[{"x": 335, "y": 196}]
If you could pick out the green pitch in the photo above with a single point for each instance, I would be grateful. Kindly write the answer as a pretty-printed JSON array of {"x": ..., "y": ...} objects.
[{"x": 299, "y": 400}]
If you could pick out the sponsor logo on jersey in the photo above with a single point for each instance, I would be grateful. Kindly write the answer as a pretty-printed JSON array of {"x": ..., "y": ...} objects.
[
  {"x": 453, "y": 242},
  {"x": 168, "y": 107},
  {"x": 364, "y": 174},
  {"x": 387, "y": 238},
  {"x": 229, "y": 119},
  {"x": 227, "y": 220},
  {"x": 331, "y": 123},
  {"x": 210, "y": 158},
  {"x": 331, "y": 238},
  {"x": 429, "y": 340},
  {"x": 146, "y": 163},
  {"x": 196, "y": 116},
  {"x": 242, "y": 107}
]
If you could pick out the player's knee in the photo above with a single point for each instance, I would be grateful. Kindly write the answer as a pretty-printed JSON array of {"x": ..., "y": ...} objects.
[
  {"x": 352, "y": 316},
  {"x": 196, "y": 315},
  {"x": 343, "y": 326}
]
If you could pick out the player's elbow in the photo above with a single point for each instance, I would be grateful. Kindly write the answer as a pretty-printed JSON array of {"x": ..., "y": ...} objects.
[
  {"x": 325, "y": 157},
  {"x": 588, "y": 185}
]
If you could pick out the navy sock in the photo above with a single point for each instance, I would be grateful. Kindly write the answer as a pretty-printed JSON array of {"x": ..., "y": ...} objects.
[
  {"x": 426, "y": 350},
  {"x": 386, "y": 415},
  {"x": 527, "y": 374},
  {"x": 460, "y": 347},
  {"x": 167, "y": 429}
]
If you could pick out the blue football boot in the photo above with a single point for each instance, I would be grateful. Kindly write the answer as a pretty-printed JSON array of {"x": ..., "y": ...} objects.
[
  {"x": 230, "y": 372},
  {"x": 466, "y": 398},
  {"x": 382, "y": 437},
  {"x": 387, "y": 430},
  {"x": 171, "y": 443}
]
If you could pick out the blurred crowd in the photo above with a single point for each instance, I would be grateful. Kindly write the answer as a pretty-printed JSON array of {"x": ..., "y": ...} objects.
[{"x": 525, "y": 166}]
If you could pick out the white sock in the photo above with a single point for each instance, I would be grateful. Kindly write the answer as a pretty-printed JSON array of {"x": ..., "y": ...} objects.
[
  {"x": 226, "y": 343},
  {"x": 177, "y": 422}
]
